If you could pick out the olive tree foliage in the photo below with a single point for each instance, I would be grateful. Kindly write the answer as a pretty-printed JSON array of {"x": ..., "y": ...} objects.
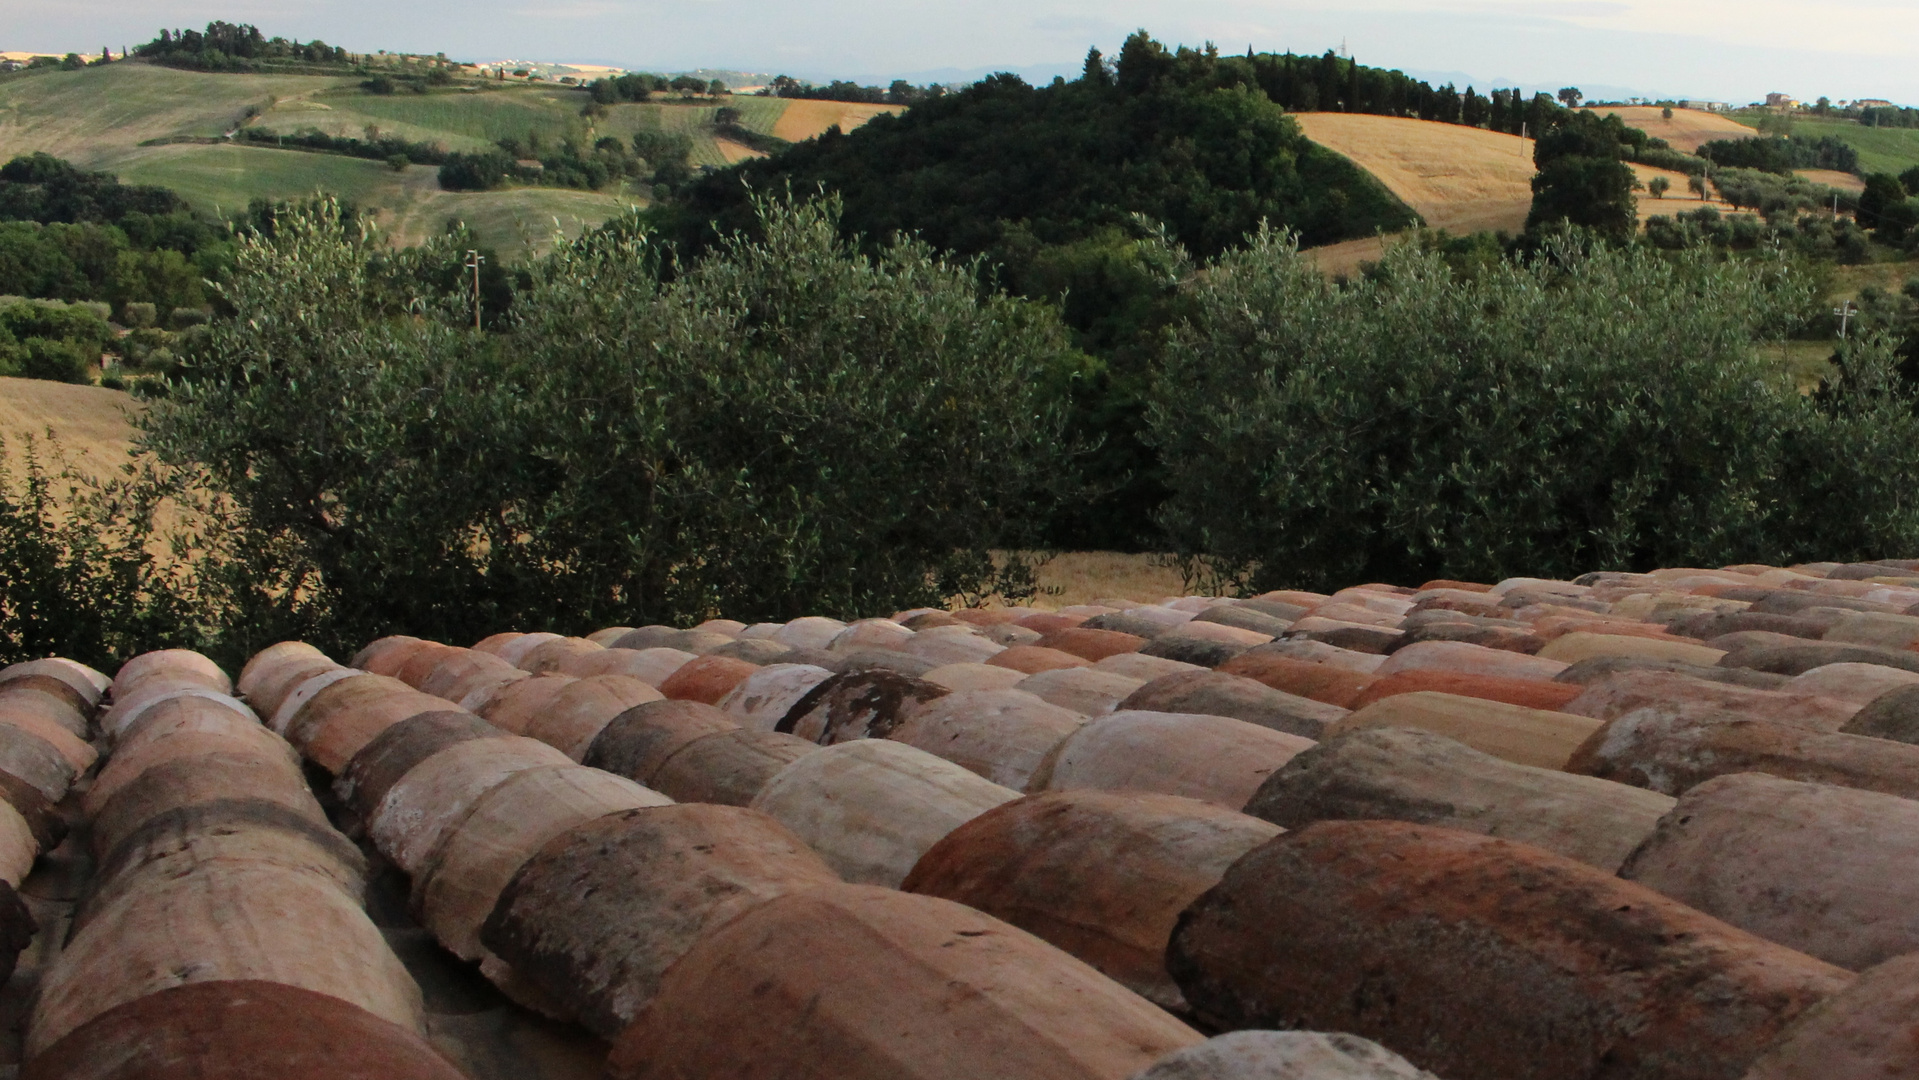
[
  {"x": 786, "y": 428},
  {"x": 1593, "y": 408}
]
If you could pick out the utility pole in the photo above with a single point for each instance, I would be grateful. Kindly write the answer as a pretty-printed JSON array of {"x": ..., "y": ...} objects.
[
  {"x": 1835, "y": 206},
  {"x": 473, "y": 261},
  {"x": 1845, "y": 312}
]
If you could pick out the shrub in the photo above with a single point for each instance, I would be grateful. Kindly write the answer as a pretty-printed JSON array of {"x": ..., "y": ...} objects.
[
  {"x": 88, "y": 575},
  {"x": 46, "y": 340},
  {"x": 482, "y": 171},
  {"x": 1898, "y": 219},
  {"x": 1590, "y": 408},
  {"x": 56, "y": 360},
  {"x": 1665, "y": 157},
  {"x": 1783, "y": 155},
  {"x": 1883, "y": 191},
  {"x": 1771, "y": 194},
  {"x": 786, "y": 427}
]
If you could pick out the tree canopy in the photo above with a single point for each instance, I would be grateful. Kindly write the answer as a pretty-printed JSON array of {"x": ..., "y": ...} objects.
[{"x": 225, "y": 46}]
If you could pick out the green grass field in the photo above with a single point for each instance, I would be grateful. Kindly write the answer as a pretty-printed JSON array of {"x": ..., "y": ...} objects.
[
  {"x": 1888, "y": 150},
  {"x": 520, "y": 222},
  {"x": 457, "y": 120},
  {"x": 220, "y": 180},
  {"x": 409, "y": 205}
]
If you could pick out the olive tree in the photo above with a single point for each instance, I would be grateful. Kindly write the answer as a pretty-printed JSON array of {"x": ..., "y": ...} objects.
[
  {"x": 1591, "y": 408},
  {"x": 787, "y": 427}
]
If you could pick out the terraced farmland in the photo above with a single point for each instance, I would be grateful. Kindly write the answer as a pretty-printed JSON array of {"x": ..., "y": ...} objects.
[{"x": 951, "y": 844}]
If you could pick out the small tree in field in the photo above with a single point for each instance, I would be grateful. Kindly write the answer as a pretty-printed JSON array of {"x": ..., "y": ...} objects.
[
  {"x": 1666, "y": 113},
  {"x": 1659, "y": 185},
  {"x": 1697, "y": 185}
]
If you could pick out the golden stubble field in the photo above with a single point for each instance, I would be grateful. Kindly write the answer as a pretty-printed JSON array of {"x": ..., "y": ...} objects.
[
  {"x": 91, "y": 424},
  {"x": 1833, "y": 178},
  {"x": 1688, "y": 130},
  {"x": 1459, "y": 179},
  {"x": 804, "y": 120}
]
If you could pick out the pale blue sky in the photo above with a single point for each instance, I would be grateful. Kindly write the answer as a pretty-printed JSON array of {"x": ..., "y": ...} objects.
[{"x": 1705, "y": 48}]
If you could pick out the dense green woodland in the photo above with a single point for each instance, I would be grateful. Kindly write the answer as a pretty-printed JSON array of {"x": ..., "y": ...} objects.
[
  {"x": 1186, "y": 138},
  {"x": 68, "y": 234},
  {"x": 136, "y": 254}
]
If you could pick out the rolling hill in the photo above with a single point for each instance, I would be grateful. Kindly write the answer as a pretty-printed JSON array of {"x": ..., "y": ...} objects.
[{"x": 157, "y": 125}]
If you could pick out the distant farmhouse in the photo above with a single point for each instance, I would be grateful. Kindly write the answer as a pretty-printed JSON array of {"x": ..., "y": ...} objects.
[
  {"x": 1781, "y": 101},
  {"x": 1706, "y": 106}
]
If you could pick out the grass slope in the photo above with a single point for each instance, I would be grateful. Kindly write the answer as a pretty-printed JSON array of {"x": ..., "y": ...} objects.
[
  {"x": 88, "y": 115},
  {"x": 221, "y": 179},
  {"x": 409, "y": 205}
]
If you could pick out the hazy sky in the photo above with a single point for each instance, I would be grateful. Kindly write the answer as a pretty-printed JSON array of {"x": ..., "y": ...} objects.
[{"x": 1707, "y": 48}]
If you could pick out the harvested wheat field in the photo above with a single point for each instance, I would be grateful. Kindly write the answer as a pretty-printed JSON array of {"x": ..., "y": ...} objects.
[
  {"x": 1687, "y": 130},
  {"x": 88, "y": 422},
  {"x": 804, "y": 120},
  {"x": 1458, "y": 178}
]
